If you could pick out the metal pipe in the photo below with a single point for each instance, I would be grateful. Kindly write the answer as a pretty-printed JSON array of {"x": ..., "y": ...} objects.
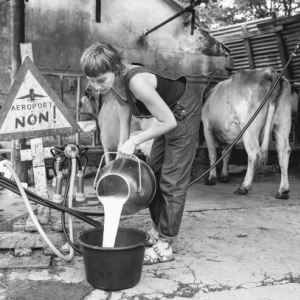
[
  {"x": 187, "y": 9},
  {"x": 98, "y": 11},
  {"x": 61, "y": 82},
  {"x": 77, "y": 135},
  {"x": 193, "y": 22},
  {"x": 17, "y": 37}
]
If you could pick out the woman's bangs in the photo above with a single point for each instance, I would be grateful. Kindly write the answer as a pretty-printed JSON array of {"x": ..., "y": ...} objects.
[{"x": 95, "y": 68}]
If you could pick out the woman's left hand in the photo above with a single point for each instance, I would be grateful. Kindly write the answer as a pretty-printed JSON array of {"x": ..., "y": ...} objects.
[{"x": 128, "y": 148}]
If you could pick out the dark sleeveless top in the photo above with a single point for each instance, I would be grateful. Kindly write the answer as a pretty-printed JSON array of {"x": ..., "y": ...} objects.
[{"x": 170, "y": 88}]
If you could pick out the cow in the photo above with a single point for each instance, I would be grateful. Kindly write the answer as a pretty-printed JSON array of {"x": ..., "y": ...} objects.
[
  {"x": 227, "y": 109},
  {"x": 106, "y": 114}
]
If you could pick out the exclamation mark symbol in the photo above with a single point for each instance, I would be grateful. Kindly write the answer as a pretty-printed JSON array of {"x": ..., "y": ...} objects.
[{"x": 54, "y": 113}]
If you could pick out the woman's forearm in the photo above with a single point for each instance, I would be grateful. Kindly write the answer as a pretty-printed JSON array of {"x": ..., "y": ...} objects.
[{"x": 156, "y": 130}]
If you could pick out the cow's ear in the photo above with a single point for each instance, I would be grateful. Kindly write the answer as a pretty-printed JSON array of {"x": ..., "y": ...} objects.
[{"x": 88, "y": 93}]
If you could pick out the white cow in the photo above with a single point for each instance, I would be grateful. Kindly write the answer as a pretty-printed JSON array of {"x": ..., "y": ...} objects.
[
  {"x": 228, "y": 108},
  {"x": 106, "y": 113}
]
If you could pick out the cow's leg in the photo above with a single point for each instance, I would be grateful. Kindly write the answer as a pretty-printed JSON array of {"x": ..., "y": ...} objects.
[
  {"x": 212, "y": 154},
  {"x": 107, "y": 157},
  {"x": 224, "y": 177},
  {"x": 281, "y": 132},
  {"x": 252, "y": 147},
  {"x": 282, "y": 128}
]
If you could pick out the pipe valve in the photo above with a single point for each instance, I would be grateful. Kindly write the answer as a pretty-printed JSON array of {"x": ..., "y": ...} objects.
[{"x": 71, "y": 151}]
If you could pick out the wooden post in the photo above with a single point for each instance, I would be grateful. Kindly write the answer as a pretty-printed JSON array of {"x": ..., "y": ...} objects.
[
  {"x": 37, "y": 154},
  {"x": 280, "y": 47},
  {"x": 17, "y": 37},
  {"x": 38, "y": 165},
  {"x": 248, "y": 48}
]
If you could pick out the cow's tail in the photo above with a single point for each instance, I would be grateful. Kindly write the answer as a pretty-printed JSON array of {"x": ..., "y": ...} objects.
[{"x": 268, "y": 128}]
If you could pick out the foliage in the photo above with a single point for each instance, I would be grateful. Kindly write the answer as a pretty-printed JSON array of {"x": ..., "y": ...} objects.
[{"x": 218, "y": 13}]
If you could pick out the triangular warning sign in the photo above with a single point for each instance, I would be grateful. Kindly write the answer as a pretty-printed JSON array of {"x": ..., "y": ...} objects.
[{"x": 32, "y": 108}]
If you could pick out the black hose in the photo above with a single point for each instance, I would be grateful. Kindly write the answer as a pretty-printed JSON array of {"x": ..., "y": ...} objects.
[
  {"x": 63, "y": 216},
  {"x": 12, "y": 186}
]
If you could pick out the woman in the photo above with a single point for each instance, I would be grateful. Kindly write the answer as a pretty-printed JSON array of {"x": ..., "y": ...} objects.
[{"x": 146, "y": 92}]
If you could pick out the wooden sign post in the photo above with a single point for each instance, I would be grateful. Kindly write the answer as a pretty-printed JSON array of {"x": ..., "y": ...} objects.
[
  {"x": 33, "y": 110},
  {"x": 38, "y": 154}
]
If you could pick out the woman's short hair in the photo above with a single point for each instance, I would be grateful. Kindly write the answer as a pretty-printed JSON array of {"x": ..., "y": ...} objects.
[{"x": 100, "y": 58}]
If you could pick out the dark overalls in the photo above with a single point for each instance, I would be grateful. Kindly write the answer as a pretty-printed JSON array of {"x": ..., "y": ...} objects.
[{"x": 171, "y": 156}]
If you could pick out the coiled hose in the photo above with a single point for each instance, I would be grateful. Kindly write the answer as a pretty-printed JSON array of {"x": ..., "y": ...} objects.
[{"x": 27, "y": 196}]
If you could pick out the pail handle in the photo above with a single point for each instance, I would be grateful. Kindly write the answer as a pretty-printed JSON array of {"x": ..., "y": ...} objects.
[{"x": 140, "y": 190}]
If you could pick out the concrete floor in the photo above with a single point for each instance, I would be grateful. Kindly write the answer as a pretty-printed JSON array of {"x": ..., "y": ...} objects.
[{"x": 230, "y": 247}]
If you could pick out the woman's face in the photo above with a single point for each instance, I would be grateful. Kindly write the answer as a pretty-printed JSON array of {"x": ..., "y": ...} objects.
[{"x": 104, "y": 82}]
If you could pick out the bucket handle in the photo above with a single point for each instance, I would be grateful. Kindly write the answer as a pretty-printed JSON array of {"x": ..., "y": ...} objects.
[{"x": 140, "y": 190}]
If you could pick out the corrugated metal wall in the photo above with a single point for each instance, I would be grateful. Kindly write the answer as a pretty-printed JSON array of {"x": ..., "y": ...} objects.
[
  {"x": 290, "y": 34},
  {"x": 271, "y": 43}
]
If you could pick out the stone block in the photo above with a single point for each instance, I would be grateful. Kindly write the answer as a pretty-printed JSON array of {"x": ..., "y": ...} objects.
[
  {"x": 19, "y": 252},
  {"x": 12, "y": 240},
  {"x": 30, "y": 226},
  {"x": 47, "y": 251},
  {"x": 35, "y": 261},
  {"x": 29, "y": 240}
]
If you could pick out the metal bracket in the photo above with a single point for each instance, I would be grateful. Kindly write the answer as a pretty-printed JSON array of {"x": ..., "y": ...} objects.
[
  {"x": 98, "y": 11},
  {"x": 189, "y": 9}
]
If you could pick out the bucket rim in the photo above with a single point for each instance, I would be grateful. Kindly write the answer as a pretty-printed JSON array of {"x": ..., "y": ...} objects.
[
  {"x": 155, "y": 184},
  {"x": 114, "y": 248}
]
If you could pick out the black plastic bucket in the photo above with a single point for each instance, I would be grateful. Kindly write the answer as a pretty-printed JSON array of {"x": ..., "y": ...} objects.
[{"x": 113, "y": 268}]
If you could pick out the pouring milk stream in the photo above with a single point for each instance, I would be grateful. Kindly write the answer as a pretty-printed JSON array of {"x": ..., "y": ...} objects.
[
  {"x": 113, "y": 206},
  {"x": 124, "y": 186}
]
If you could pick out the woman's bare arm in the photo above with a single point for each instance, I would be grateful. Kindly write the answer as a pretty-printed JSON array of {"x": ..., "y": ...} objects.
[{"x": 143, "y": 87}]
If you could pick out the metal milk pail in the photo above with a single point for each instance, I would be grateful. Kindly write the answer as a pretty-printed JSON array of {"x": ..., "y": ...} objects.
[{"x": 126, "y": 177}]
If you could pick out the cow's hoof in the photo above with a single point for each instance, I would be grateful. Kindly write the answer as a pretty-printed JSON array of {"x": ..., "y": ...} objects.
[
  {"x": 211, "y": 181},
  {"x": 284, "y": 195},
  {"x": 241, "y": 191},
  {"x": 224, "y": 178}
]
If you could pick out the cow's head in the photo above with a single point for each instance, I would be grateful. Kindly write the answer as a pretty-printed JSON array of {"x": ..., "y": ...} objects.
[{"x": 89, "y": 105}]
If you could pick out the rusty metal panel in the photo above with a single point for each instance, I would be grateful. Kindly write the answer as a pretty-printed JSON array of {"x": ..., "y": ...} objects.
[{"x": 289, "y": 35}]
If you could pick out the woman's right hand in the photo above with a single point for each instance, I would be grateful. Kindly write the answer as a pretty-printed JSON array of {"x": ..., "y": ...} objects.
[{"x": 127, "y": 149}]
